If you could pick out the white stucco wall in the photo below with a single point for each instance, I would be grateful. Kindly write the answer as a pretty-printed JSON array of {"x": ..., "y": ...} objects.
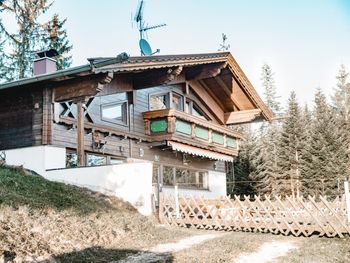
[
  {"x": 131, "y": 182},
  {"x": 217, "y": 187},
  {"x": 37, "y": 158}
]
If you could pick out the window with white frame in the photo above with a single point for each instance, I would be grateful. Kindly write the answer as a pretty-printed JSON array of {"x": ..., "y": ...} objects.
[{"x": 115, "y": 112}]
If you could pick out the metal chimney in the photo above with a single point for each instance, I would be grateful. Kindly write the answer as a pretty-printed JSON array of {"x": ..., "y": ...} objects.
[{"x": 45, "y": 63}]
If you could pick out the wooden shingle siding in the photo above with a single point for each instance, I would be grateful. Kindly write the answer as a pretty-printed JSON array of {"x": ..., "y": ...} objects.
[
  {"x": 20, "y": 121},
  {"x": 138, "y": 102}
]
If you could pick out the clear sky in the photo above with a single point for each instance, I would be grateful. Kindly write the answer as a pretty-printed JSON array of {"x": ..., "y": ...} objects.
[{"x": 304, "y": 41}]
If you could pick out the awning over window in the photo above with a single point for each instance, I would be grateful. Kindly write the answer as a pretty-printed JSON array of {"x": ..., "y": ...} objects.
[{"x": 200, "y": 152}]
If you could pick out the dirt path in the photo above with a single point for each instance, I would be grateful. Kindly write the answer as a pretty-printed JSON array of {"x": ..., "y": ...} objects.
[
  {"x": 163, "y": 251},
  {"x": 267, "y": 252}
]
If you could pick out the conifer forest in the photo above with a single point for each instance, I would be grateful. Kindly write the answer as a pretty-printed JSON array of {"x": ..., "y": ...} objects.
[{"x": 303, "y": 151}]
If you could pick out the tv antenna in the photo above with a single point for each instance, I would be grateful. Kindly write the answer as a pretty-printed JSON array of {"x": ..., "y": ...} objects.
[
  {"x": 143, "y": 28},
  {"x": 224, "y": 47}
]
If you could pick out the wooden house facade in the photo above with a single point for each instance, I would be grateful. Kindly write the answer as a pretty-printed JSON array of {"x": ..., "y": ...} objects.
[{"x": 173, "y": 111}]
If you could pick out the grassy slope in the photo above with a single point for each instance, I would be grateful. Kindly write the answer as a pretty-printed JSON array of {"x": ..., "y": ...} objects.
[
  {"x": 39, "y": 218},
  {"x": 18, "y": 189}
]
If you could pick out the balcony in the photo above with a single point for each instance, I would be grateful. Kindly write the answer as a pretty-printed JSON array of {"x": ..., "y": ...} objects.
[{"x": 174, "y": 125}]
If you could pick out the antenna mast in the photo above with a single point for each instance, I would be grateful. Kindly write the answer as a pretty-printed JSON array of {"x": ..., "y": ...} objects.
[{"x": 143, "y": 28}]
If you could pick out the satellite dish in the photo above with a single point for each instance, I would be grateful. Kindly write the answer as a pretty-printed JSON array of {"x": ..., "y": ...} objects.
[{"x": 145, "y": 47}]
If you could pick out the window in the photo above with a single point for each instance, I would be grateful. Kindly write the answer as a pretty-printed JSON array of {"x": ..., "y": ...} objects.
[
  {"x": 71, "y": 159},
  {"x": 155, "y": 174},
  {"x": 166, "y": 101},
  {"x": 185, "y": 178},
  {"x": 115, "y": 112},
  {"x": 195, "y": 110},
  {"x": 168, "y": 175},
  {"x": 95, "y": 160},
  {"x": 115, "y": 161},
  {"x": 91, "y": 159},
  {"x": 159, "y": 102},
  {"x": 188, "y": 106},
  {"x": 177, "y": 102}
]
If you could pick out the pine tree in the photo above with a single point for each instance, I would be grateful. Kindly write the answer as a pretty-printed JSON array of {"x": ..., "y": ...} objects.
[
  {"x": 242, "y": 168},
  {"x": 26, "y": 41},
  {"x": 270, "y": 94},
  {"x": 341, "y": 103},
  {"x": 326, "y": 147},
  {"x": 341, "y": 97},
  {"x": 4, "y": 70},
  {"x": 264, "y": 160},
  {"x": 305, "y": 157},
  {"x": 289, "y": 148},
  {"x": 55, "y": 37}
]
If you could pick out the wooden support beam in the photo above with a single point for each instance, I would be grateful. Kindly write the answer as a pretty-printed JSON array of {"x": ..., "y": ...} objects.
[
  {"x": 228, "y": 92},
  {"x": 79, "y": 89},
  {"x": 208, "y": 100},
  {"x": 244, "y": 116},
  {"x": 205, "y": 71},
  {"x": 81, "y": 133},
  {"x": 172, "y": 73},
  {"x": 158, "y": 77},
  {"x": 212, "y": 94}
]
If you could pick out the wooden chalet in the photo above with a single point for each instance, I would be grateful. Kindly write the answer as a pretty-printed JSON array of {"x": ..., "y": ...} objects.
[{"x": 172, "y": 110}]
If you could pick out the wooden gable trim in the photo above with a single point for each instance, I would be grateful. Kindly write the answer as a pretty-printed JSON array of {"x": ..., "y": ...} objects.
[
  {"x": 244, "y": 116},
  {"x": 79, "y": 89},
  {"x": 248, "y": 87},
  {"x": 208, "y": 100}
]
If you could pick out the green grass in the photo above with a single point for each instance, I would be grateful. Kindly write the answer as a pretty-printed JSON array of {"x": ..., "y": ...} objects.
[{"x": 17, "y": 188}]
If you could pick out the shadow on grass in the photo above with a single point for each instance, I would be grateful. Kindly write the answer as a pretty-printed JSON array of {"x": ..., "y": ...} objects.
[
  {"x": 99, "y": 255},
  {"x": 18, "y": 188}
]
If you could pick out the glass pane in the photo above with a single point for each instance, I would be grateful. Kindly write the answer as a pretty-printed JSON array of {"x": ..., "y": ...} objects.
[
  {"x": 182, "y": 177},
  {"x": 71, "y": 159},
  {"x": 193, "y": 179},
  {"x": 197, "y": 112},
  {"x": 203, "y": 180},
  {"x": 95, "y": 160},
  {"x": 113, "y": 112},
  {"x": 158, "y": 102},
  {"x": 116, "y": 161},
  {"x": 177, "y": 102},
  {"x": 155, "y": 174},
  {"x": 188, "y": 107},
  {"x": 168, "y": 175}
]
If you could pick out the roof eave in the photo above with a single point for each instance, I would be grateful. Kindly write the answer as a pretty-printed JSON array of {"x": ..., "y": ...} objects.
[
  {"x": 248, "y": 87},
  {"x": 43, "y": 77}
]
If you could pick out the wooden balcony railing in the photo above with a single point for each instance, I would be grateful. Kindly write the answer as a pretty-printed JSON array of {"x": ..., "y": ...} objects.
[{"x": 171, "y": 124}]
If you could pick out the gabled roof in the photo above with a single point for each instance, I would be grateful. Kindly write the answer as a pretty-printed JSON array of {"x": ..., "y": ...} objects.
[
  {"x": 157, "y": 62},
  {"x": 124, "y": 64}
]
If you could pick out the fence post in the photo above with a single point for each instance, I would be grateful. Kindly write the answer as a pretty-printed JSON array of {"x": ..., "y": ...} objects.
[
  {"x": 347, "y": 198},
  {"x": 177, "y": 207}
]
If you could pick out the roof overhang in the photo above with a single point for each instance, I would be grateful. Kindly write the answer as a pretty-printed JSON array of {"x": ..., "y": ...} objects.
[{"x": 124, "y": 64}]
